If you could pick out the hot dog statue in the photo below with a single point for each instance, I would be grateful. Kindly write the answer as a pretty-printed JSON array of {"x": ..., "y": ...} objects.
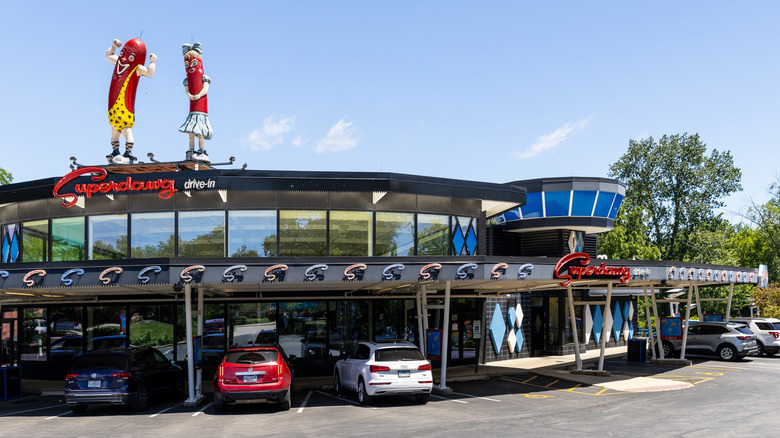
[
  {"x": 128, "y": 67},
  {"x": 196, "y": 85}
]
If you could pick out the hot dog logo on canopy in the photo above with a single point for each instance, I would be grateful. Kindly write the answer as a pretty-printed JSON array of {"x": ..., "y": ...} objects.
[
  {"x": 568, "y": 264},
  {"x": 164, "y": 186}
]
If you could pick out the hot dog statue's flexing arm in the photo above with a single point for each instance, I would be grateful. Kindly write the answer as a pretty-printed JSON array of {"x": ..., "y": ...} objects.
[
  {"x": 196, "y": 85},
  {"x": 128, "y": 68}
]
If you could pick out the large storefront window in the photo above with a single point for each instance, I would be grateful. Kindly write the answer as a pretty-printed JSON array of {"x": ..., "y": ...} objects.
[
  {"x": 202, "y": 234},
  {"x": 394, "y": 234},
  {"x": 554, "y": 328},
  {"x": 66, "y": 333},
  {"x": 33, "y": 344},
  {"x": 252, "y": 233},
  {"x": 433, "y": 234},
  {"x": 152, "y": 326},
  {"x": 106, "y": 327},
  {"x": 349, "y": 321},
  {"x": 302, "y": 233},
  {"x": 252, "y": 323},
  {"x": 351, "y": 233},
  {"x": 35, "y": 241},
  {"x": 107, "y": 237},
  {"x": 152, "y": 235},
  {"x": 67, "y": 239}
]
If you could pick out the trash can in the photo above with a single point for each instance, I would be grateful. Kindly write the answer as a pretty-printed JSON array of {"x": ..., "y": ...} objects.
[{"x": 637, "y": 350}]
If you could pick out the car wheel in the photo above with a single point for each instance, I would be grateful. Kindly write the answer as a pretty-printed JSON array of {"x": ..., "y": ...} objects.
[
  {"x": 141, "y": 399},
  {"x": 423, "y": 398},
  {"x": 286, "y": 402},
  {"x": 761, "y": 350},
  {"x": 337, "y": 383},
  {"x": 363, "y": 396},
  {"x": 668, "y": 350},
  {"x": 727, "y": 352},
  {"x": 219, "y": 406},
  {"x": 78, "y": 409}
]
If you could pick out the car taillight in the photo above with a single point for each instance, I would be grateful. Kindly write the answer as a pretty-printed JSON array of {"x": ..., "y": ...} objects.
[
  {"x": 744, "y": 338},
  {"x": 71, "y": 376},
  {"x": 427, "y": 366},
  {"x": 775, "y": 334},
  {"x": 280, "y": 370},
  {"x": 425, "y": 381},
  {"x": 378, "y": 368}
]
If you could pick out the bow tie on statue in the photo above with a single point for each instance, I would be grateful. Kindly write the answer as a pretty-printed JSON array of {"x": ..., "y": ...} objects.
[{"x": 187, "y": 47}]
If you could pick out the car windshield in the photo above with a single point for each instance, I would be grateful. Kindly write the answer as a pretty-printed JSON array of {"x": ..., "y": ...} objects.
[
  {"x": 393, "y": 354},
  {"x": 101, "y": 361},
  {"x": 252, "y": 357}
]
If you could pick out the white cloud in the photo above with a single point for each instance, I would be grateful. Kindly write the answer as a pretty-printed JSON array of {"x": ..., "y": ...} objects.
[
  {"x": 271, "y": 134},
  {"x": 340, "y": 137},
  {"x": 643, "y": 136},
  {"x": 298, "y": 141},
  {"x": 549, "y": 141}
]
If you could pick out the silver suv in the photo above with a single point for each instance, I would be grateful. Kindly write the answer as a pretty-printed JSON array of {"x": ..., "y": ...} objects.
[
  {"x": 767, "y": 332},
  {"x": 726, "y": 340}
]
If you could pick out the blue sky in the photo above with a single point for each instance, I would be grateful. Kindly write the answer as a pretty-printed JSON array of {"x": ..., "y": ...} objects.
[{"x": 487, "y": 91}]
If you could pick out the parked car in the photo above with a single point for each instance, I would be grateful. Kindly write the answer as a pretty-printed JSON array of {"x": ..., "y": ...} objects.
[
  {"x": 254, "y": 374},
  {"x": 727, "y": 341},
  {"x": 384, "y": 368},
  {"x": 767, "y": 332},
  {"x": 121, "y": 376}
]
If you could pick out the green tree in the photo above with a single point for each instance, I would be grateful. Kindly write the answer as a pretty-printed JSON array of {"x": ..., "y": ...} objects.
[
  {"x": 673, "y": 189},
  {"x": 766, "y": 219},
  {"x": 5, "y": 177},
  {"x": 768, "y": 301}
]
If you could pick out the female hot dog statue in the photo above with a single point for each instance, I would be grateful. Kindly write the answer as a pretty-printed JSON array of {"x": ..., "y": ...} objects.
[
  {"x": 196, "y": 85},
  {"x": 128, "y": 67}
]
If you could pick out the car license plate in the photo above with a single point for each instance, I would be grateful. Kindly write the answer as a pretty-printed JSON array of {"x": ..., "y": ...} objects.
[
  {"x": 93, "y": 384},
  {"x": 404, "y": 373},
  {"x": 250, "y": 379}
]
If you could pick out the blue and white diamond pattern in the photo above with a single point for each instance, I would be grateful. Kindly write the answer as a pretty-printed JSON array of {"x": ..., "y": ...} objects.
[
  {"x": 617, "y": 323},
  {"x": 497, "y": 329},
  {"x": 512, "y": 341},
  {"x": 598, "y": 324}
]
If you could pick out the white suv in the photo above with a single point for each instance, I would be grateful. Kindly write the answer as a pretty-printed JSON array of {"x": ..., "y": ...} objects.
[
  {"x": 767, "y": 332},
  {"x": 384, "y": 368}
]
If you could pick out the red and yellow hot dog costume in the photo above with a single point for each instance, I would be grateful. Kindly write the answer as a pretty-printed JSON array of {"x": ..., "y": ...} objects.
[{"x": 124, "y": 82}]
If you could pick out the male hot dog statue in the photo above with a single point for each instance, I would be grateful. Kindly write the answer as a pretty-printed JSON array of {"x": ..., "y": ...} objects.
[
  {"x": 128, "y": 68},
  {"x": 196, "y": 85}
]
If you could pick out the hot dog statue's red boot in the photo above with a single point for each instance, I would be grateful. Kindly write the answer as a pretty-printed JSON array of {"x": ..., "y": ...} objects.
[
  {"x": 196, "y": 85},
  {"x": 128, "y": 68}
]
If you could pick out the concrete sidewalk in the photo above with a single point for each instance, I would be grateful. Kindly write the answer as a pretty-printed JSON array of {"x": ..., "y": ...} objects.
[{"x": 559, "y": 367}]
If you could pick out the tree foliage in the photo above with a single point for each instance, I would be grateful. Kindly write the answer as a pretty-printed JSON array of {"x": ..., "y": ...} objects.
[
  {"x": 766, "y": 218},
  {"x": 768, "y": 301},
  {"x": 673, "y": 190},
  {"x": 5, "y": 177}
]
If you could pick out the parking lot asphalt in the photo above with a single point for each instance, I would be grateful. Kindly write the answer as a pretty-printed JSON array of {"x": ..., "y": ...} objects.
[{"x": 507, "y": 398}]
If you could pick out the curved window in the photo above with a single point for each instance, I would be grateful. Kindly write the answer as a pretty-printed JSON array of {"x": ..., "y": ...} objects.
[
  {"x": 302, "y": 233},
  {"x": 394, "y": 234},
  {"x": 603, "y": 204},
  {"x": 615, "y": 206},
  {"x": 35, "y": 241},
  {"x": 67, "y": 239},
  {"x": 351, "y": 233},
  {"x": 433, "y": 234},
  {"x": 202, "y": 234},
  {"x": 152, "y": 235},
  {"x": 533, "y": 206},
  {"x": 582, "y": 202},
  {"x": 252, "y": 233},
  {"x": 556, "y": 203},
  {"x": 107, "y": 237}
]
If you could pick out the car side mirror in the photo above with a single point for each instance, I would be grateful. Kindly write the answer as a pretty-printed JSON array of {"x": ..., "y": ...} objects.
[{"x": 292, "y": 357}]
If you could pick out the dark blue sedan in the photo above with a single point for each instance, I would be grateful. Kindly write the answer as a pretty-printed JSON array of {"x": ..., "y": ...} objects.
[{"x": 119, "y": 376}]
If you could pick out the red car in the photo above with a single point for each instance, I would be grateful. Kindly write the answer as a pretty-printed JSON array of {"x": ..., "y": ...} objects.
[{"x": 257, "y": 373}]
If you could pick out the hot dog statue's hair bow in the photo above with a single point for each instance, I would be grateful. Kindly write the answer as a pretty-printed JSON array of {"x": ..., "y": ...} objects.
[{"x": 188, "y": 47}]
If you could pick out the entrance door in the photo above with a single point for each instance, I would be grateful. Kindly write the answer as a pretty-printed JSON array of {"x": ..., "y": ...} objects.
[
  {"x": 539, "y": 322},
  {"x": 8, "y": 329}
]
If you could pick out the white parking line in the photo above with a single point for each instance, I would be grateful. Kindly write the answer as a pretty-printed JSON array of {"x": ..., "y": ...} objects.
[
  {"x": 450, "y": 399},
  {"x": 201, "y": 411},
  {"x": 64, "y": 413},
  {"x": 29, "y": 410},
  {"x": 340, "y": 398},
  {"x": 305, "y": 400},
  {"x": 163, "y": 411},
  {"x": 476, "y": 396}
]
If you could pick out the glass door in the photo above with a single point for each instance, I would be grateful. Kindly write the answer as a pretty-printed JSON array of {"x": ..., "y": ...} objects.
[{"x": 8, "y": 328}]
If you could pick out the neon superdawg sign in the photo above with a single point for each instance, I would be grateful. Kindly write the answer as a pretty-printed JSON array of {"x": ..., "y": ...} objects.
[
  {"x": 575, "y": 266},
  {"x": 165, "y": 187}
]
